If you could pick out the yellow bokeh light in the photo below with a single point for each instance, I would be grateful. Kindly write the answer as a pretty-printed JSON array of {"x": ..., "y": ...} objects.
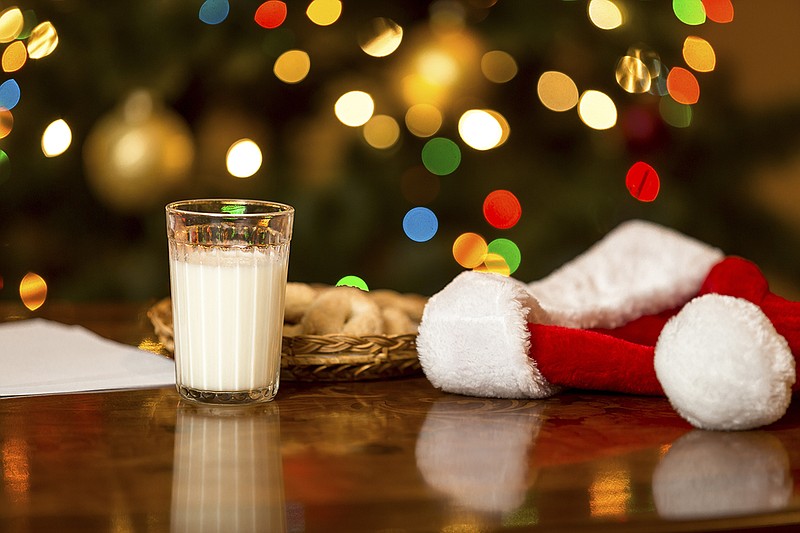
[
  {"x": 43, "y": 40},
  {"x": 605, "y": 14},
  {"x": 292, "y": 66},
  {"x": 6, "y": 122},
  {"x": 633, "y": 75},
  {"x": 495, "y": 263},
  {"x": 324, "y": 12},
  {"x": 354, "y": 108},
  {"x": 557, "y": 91},
  {"x": 56, "y": 138},
  {"x": 32, "y": 291},
  {"x": 14, "y": 57},
  {"x": 699, "y": 54},
  {"x": 11, "y": 24},
  {"x": 423, "y": 120},
  {"x": 243, "y": 158},
  {"x": 381, "y": 132},
  {"x": 382, "y": 37},
  {"x": 498, "y": 66},
  {"x": 438, "y": 67},
  {"x": 597, "y": 110},
  {"x": 480, "y": 129}
]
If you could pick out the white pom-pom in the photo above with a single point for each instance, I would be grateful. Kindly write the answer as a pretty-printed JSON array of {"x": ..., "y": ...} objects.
[{"x": 723, "y": 366}]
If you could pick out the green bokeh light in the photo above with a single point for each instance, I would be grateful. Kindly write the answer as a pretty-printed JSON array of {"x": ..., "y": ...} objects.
[
  {"x": 353, "y": 281},
  {"x": 690, "y": 12},
  {"x": 441, "y": 156},
  {"x": 508, "y": 250}
]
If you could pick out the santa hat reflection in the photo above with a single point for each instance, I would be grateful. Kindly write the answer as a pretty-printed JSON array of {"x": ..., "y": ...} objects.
[{"x": 646, "y": 310}]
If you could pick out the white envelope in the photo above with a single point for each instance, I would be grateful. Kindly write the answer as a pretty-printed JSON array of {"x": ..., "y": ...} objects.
[{"x": 39, "y": 356}]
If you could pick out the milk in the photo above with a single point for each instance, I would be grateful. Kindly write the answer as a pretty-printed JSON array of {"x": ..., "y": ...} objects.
[{"x": 228, "y": 316}]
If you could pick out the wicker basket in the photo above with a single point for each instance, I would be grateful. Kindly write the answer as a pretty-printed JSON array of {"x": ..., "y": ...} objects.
[{"x": 324, "y": 357}]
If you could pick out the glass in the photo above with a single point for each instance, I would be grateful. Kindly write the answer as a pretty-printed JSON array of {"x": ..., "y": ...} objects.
[{"x": 228, "y": 265}]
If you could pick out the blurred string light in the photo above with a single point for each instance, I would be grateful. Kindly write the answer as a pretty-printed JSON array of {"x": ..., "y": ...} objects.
[
  {"x": 6, "y": 122},
  {"x": 642, "y": 182},
  {"x": 557, "y": 91},
  {"x": 353, "y": 281},
  {"x": 5, "y": 166},
  {"x": 470, "y": 249},
  {"x": 597, "y": 110},
  {"x": 498, "y": 66},
  {"x": 420, "y": 224},
  {"x": 42, "y": 41},
  {"x": 683, "y": 86},
  {"x": 690, "y": 12},
  {"x": 9, "y": 94},
  {"x": 214, "y": 11},
  {"x": 502, "y": 209},
  {"x": 32, "y": 291},
  {"x": 633, "y": 75},
  {"x": 699, "y": 54},
  {"x": 605, "y": 14},
  {"x": 354, "y": 108},
  {"x": 423, "y": 120},
  {"x": 441, "y": 156},
  {"x": 508, "y": 250},
  {"x": 381, "y": 132},
  {"x": 381, "y": 37},
  {"x": 271, "y": 14},
  {"x": 674, "y": 113},
  {"x": 292, "y": 66},
  {"x": 324, "y": 12},
  {"x": 243, "y": 158},
  {"x": 483, "y": 129},
  {"x": 14, "y": 56},
  {"x": 494, "y": 263},
  {"x": 56, "y": 138},
  {"x": 12, "y": 21},
  {"x": 719, "y": 11}
]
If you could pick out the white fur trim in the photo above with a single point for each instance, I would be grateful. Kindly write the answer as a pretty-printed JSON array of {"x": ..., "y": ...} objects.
[
  {"x": 639, "y": 268},
  {"x": 723, "y": 366},
  {"x": 474, "y": 338}
]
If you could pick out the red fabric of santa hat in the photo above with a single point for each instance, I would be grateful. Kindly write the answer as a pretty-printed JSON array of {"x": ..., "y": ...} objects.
[{"x": 605, "y": 321}]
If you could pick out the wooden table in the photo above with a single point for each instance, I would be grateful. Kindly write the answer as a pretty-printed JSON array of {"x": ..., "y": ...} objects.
[{"x": 385, "y": 456}]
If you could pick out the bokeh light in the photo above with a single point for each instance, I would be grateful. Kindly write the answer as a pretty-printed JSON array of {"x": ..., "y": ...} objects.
[
  {"x": 674, "y": 113},
  {"x": 699, "y": 54},
  {"x": 683, "y": 86},
  {"x": 502, "y": 209},
  {"x": 381, "y": 132},
  {"x": 381, "y": 37},
  {"x": 597, "y": 110},
  {"x": 42, "y": 41},
  {"x": 633, "y": 75},
  {"x": 56, "y": 138},
  {"x": 354, "y": 108},
  {"x": 690, "y": 12},
  {"x": 11, "y": 24},
  {"x": 480, "y": 130},
  {"x": 243, "y": 158},
  {"x": 5, "y": 166},
  {"x": 423, "y": 120},
  {"x": 270, "y": 14},
  {"x": 494, "y": 263},
  {"x": 292, "y": 66},
  {"x": 498, "y": 66},
  {"x": 6, "y": 122},
  {"x": 9, "y": 94},
  {"x": 720, "y": 11},
  {"x": 14, "y": 57},
  {"x": 353, "y": 281},
  {"x": 469, "y": 250},
  {"x": 557, "y": 91},
  {"x": 420, "y": 224},
  {"x": 642, "y": 182},
  {"x": 324, "y": 12},
  {"x": 32, "y": 291},
  {"x": 214, "y": 11},
  {"x": 441, "y": 156},
  {"x": 605, "y": 14},
  {"x": 508, "y": 250}
]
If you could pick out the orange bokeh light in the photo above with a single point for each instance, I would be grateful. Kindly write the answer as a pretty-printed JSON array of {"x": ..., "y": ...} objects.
[
  {"x": 683, "y": 86},
  {"x": 469, "y": 250}
]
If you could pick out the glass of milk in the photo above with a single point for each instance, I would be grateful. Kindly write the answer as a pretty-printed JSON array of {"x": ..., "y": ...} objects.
[{"x": 228, "y": 263}]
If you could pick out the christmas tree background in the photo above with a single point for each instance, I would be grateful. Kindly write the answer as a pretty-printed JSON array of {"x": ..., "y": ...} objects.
[{"x": 93, "y": 228}]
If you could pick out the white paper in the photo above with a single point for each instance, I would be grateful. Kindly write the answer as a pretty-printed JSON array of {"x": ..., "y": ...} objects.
[{"x": 40, "y": 356}]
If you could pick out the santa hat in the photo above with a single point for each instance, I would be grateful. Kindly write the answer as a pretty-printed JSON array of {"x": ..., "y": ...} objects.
[{"x": 646, "y": 310}]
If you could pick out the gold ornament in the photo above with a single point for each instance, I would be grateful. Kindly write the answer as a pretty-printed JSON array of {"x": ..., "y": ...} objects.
[{"x": 138, "y": 153}]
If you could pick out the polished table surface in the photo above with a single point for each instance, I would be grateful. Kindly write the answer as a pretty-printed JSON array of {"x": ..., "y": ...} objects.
[{"x": 384, "y": 456}]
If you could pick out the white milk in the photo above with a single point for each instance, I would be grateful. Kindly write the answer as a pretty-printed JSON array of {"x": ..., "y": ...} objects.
[{"x": 228, "y": 316}]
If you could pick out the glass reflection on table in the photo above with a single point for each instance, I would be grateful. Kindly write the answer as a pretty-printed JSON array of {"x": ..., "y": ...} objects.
[{"x": 228, "y": 473}]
